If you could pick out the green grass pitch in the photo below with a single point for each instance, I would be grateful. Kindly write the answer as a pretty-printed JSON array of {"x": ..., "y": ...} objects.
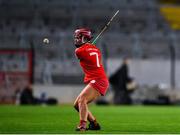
[{"x": 113, "y": 119}]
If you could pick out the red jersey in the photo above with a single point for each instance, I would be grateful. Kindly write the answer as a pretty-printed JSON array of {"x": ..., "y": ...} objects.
[{"x": 90, "y": 61}]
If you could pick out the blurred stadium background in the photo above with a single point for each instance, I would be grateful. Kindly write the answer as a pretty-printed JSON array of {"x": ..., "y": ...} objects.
[{"x": 145, "y": 30}]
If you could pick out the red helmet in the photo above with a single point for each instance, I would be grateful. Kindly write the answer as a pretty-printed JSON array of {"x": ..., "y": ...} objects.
[{"x": 83, "y": 32}]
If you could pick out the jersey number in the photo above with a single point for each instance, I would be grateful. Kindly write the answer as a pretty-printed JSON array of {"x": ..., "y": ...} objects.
[{"x": 97, "y": 59}]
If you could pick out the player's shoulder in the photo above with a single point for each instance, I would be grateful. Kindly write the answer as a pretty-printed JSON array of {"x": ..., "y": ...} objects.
[
  {"x": 76, "y": 50},
  {"x": 80, "y": 49},
  {"x": 86, "y": 48},
  {"x": 91, "y": 47}
]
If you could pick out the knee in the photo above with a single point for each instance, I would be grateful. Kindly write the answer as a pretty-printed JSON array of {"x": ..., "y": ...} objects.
[{"x": 82, "y": 100}]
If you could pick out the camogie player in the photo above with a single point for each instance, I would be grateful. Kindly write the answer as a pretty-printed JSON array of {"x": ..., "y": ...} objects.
[{"x": 95, "y": 77}]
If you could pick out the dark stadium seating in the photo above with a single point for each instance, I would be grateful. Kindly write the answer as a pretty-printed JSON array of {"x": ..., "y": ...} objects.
[{"x": 140, "y": 30}]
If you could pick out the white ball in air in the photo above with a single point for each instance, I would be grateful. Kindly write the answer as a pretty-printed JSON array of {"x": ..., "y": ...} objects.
[{"x": 46, "y": 40}]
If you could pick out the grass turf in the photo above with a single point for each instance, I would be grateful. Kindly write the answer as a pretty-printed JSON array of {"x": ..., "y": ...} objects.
[{"x": 113, "y": 119}]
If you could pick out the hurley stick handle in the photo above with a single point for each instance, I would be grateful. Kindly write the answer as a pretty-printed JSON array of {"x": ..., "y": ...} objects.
[{"x": 105, "y": 27}]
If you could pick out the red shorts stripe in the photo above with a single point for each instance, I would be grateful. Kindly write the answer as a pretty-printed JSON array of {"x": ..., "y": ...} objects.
[{"x": 101, "y": 85}]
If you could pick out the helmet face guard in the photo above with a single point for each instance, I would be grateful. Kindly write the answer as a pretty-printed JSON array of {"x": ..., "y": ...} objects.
[{"x": 82, "y": 36}]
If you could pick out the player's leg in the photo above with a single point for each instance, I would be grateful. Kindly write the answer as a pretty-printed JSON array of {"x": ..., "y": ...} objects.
[
  {"x": 76, "y": 106},
  {"x": 93, "y": 124},
  {"x": 86, "y": 96},
  {"x": 90, "y": 116}
]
